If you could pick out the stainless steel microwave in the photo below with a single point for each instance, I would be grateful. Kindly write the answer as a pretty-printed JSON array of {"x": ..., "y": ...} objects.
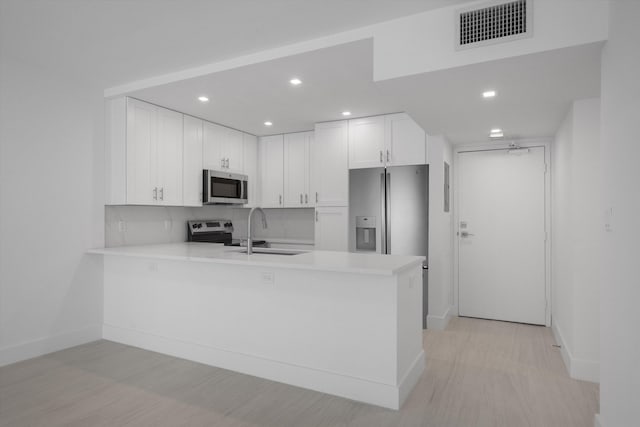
[{"x": 224, "y": 188}]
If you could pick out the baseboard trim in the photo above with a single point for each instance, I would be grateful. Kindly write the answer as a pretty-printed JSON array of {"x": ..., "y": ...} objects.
[
  {"x": 579, "y": 369},
  {"x": 385, "y": 395},
  {"x": 28, "y": 350},
  {"x": 597, "y": 421},
  {"x": 439, "y": 323}
]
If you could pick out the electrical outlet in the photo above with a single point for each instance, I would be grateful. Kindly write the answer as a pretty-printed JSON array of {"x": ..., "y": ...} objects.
[{"x": 268, "y": 278}]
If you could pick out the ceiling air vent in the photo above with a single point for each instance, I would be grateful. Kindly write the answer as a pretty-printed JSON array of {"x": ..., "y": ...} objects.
[{"x": 495, "y": 23}]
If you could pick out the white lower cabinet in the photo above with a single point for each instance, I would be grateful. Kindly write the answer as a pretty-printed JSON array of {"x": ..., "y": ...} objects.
[
  {"x": 192, "y": 155},
  {"x": 332, "y": 228}
]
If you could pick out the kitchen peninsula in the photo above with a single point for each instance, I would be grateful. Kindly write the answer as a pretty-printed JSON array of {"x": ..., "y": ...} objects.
[{"x": 342, "y": 323}]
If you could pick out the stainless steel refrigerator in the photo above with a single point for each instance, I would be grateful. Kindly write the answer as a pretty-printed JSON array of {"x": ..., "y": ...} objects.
[{"x": 389, "y": 214}]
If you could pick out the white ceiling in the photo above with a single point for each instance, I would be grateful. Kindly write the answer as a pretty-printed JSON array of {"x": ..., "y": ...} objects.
[
  {"x": 534, "y": 94},
  {"x": 334, "y": 80},
  {"x": 110, "y": 42}
]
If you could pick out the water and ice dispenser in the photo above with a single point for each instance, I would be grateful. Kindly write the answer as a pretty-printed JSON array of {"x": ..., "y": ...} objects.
[{"x": 366, "y": 233}]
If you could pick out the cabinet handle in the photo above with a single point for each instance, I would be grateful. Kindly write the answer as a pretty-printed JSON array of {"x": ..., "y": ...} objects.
[
  {"x": 316, "y": 216},
  {"x": 222, "y": 163},
  {"x": 155, "y": 193},
  {"x": 306, "y": 198},
  {"x": 162, "y": 193},
  {"x": 280, "y": 199},
  {"x": 381, "y": 156},
  {"x": 300, "y": 198},
  {"x": 227, "y": 163},
  {"x": 388, "y": 159},
  {"x": 316, "y": 197}
]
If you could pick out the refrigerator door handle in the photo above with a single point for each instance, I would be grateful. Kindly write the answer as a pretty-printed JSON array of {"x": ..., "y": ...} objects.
[
  {"x": 383, "y": 216},
  {"x": 387, "y": 216}
]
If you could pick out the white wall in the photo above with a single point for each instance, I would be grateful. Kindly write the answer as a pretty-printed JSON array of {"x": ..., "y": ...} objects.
[
  {"x": 440, "y": 234},
  {"x": 620, "y": 285},
  {"x": 575, "y": 237},
  {"x": 50, "y": 211},
  {"x": 142, "y": 225}
]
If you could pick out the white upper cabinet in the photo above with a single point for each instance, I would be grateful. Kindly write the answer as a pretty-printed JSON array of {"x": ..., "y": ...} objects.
[
  {"x": 271, "y": 155},
  {"x": 251, "y": 168},
  {"x": 405, "y": 141},
  {"x": 223, "y": 148},
  {"x": 390, "y": 140},
  {"x": 144, "y": 154},
  {"x": 192, "y": 154},
  {"x": 170, "y": 161},
  {"x": 367, "y": 147},
  {"x": 297, "y": 167},
  {"x": 330, "y": 164}
]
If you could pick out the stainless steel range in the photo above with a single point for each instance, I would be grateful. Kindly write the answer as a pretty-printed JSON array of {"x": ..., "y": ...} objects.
[{"x": 217, "y": 231}]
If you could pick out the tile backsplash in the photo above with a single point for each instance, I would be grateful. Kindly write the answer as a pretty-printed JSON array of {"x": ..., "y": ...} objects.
[{"x": 141, "y": 225}]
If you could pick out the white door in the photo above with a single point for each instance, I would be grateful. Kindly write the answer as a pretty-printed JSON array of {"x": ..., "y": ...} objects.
[
  {"x": 296, "y": 158},
  {"x": 330, "y": 164},
  {"x": 366, "y": 142},
  {"x": 251, "y": 168},
  {"x": 170, "y": 167},
  {"x": 331, "y": 233},
  {"x": 502, "y": 235},
  {"x": 192, "y": 174},
  {"x": 142, "y": 133},
  {"x": 271, "y": 149},
  {"x": 405, "y": 141},
  {"x": 233, "y": 151},
  {"x": 214, "y": 136}
]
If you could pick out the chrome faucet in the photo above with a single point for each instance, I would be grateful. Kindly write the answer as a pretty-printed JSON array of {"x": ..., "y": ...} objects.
[{"x": 264, "y": 225}]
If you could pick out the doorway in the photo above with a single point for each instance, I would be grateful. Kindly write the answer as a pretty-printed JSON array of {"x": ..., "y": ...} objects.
[{"x": 502, "y": 247}]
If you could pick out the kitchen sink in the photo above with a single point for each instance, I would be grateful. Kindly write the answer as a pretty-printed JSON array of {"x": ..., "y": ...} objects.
[{"x": 273, "y": 251}]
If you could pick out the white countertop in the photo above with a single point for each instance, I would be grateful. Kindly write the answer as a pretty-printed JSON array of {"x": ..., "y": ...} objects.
[{"x": 347, "y": 262}]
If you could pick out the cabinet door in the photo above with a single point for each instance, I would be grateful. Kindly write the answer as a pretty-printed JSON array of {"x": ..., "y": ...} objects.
[
  {"x": 330, "y": 169},
  {"x": 142, "y": 119},
  {"x": 309, "y": 195},
  {"x": 192, "y": 173},
  {"x": 296, "y": 169},
  {"x": 214, "y": 136},
  {"x": 366, "y": 142},
  {"x": 170, "y": 162},
  {"x": 233, "y": 151},
  {"x": 251, "y": 168},
  {"x": 405, "y": 141},
  {"x": 331, "y": 233},
  {"x": 271, "y": 150}
]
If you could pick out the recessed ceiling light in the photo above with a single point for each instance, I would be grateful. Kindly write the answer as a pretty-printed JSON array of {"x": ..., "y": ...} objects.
[
  {"x": 268, "y": 123},
  {"x": 203, "y": 99},
  {"x": 496, "y": 130},
  {"x": 295, "y": 81},
  {"x": 346, "y": 113},
  {"x": 496, "y": 135},
  {"x": 489, "y": 94}
]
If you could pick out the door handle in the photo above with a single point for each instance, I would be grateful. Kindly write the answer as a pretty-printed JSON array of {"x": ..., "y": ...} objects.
[
  {"x": 162, "y": 193},
  {"x": 155, "y": 193},
  {"x": 465, "y": 234},
  {"x": 381, "y": 156}
]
